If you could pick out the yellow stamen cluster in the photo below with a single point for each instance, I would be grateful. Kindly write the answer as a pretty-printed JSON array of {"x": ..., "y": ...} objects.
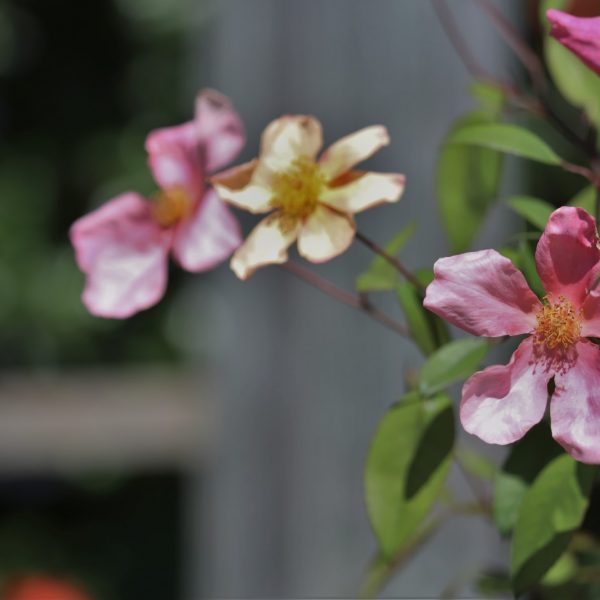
[
  {"x": 296, "y": 191},
  {"x": 558, "y": 324},
  {"x": 170, "y": 206}
]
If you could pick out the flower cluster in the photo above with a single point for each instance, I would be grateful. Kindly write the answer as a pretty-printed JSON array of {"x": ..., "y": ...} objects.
[{"x": 123, "y": 248}]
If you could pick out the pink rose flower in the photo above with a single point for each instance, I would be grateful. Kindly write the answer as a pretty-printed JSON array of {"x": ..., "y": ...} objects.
[
  {"x": 310, "y": 200},
  {"x": 581, "y": 35},
  {"x": 123, "y": 247},
  {"x": 484, "y": 294}
]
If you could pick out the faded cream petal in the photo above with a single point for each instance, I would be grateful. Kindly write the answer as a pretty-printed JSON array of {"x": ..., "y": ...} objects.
[
  {"x": 288, "y": 138},
  {"x": 364, "y": 190},
  {"x": 348, "y": 151},
  {"x": 267, "y": 244},
  {"x": 325, "y": 234},
  {"x": 240, "y": 186}
]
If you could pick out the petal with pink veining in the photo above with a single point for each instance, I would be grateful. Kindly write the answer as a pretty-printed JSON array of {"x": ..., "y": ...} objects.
[
  {"x": 482, "y": 293},
  {"x": 363, "y": 191},
  {"x": 501, "y": 403},
  {"x": 208, "y": 237},
  {"x": 325, "y": 234},
  {"x": 219, "y": 128},
  {"x": 580, "y": 35},
  {"x": 567, "y": 255},
  {"x": 267, "y": 244},
  {"x": 124, "y": 254},
  {"x": 174, "y": 159},
  {"x": 575, "y": 405},
  {"x": 288, "y": 138},
  {"x": 590, "y": 326},
  {"x": 353, "y": 149}
]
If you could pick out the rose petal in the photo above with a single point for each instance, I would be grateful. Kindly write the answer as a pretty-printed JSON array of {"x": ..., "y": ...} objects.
[
  {"x": 174, "y": 159},
  {"x": 288, "y": 138},
  {"x": 208, "y": 237},
  {"x": 325, "y": 234},
  {"x": 353, "y": 149},
  {"x": 124, "y": 254},
  {"x": 580, "y": 35},
  {"x": 267, "y": 244},
  {"x": 482, "y": 293},
  {"x": 219, "y": 128},
  {"x": 239, "y": 187},
  {"x": 501, "y": 403},
  {"x": 567, "y": 254},
  {"x": 364, "y": 191},
  {"x": 575, "y": 405}
]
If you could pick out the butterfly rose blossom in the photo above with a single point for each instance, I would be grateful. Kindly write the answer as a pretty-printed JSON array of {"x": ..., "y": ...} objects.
[
  {"x": 581, "y": 35},
  {"x": 123, "y": 247},
  {"x": 310, "y": 200},
  {"x": 484, "y": 294}
]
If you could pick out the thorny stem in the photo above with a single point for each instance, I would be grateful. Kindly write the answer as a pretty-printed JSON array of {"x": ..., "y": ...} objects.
[
  {"x": 391, "y": 259},
  {"x": 359, "y": 302}
]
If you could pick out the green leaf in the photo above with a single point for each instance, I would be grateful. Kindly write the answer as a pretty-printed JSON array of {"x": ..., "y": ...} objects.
[
  {"x": 552, "y": 508},
  {"x": 406, "y": 467},
  {"x": 562, "y": 571},
  {"x": 527, "y": 262},
  {"x": 575, "y": 81},
  {"x": 507, "y": 138},
  {"x": 416, "y": 319},
  {"x": 381, "y": 276},
  {"x": 533, "y": 210},
  {"x": 526, "y": 459},
  {"x": 489, "y": 95},
  {"x": 585, "y": 199},
  {"x": 454, "y": 361},
  {"x": 476, "y": 464},
  {"x": 467, "y": 183}
]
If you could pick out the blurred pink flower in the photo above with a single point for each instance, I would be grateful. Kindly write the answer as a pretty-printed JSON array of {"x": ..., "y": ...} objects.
[
  {"x": 311, "y": 200},
  {"x": 123, "y": 246},
  {"x": 581, "y": 35},
  {"x": 484, "y": 294},
  {"x": 40, "y": 587}
]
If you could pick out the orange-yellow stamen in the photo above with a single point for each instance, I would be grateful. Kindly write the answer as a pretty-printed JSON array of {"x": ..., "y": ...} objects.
[
  {"x": 170, "y": 206},
  {"x": 558, "y": 324},
  {"x": 296, "y": 191}
]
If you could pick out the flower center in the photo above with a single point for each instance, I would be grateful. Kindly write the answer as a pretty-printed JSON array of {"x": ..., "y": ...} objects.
[
  {"x": 170, "y": 206},
  {"x": 296, "y": 191},
  {"x": 558, "y": 324}
]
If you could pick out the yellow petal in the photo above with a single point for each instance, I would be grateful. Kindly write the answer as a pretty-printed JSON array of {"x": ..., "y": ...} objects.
[
  {"x": 267, "y": 244},
  {"x": 364, "y": 191},
  {"x": 241, "y": 187},
  {"x": 352, "y": 149},
  {"x": 325, "y": 234},
  {"x": 289, "y": 138}
]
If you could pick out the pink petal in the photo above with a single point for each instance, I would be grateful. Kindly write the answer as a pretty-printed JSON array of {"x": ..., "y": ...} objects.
[
  {"x": 267, "y": 244},
  {"x": 353, "y": 149},
  {"x": 124, "y": 254},
  {"x": 501, "y": 403},
  {"x": 220, "y": 130},
  {"x": 288, "y": 138},
  {"x": 209, "y": 237},
  {"x": 325, "y": 235},
  {"x": 580, "y": 35},
  {"x": 482, "y": 293},
  {"x": 567, "y": 254},
  {"x": 575, "y": 405},
  {"x": 364, "y": 191},
  {"x": 591, "y": 315},
  {"x": 175, "y": 159}
]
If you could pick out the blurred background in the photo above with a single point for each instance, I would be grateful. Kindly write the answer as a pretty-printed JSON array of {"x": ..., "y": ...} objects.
[{"x": 212, "y": 446}]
